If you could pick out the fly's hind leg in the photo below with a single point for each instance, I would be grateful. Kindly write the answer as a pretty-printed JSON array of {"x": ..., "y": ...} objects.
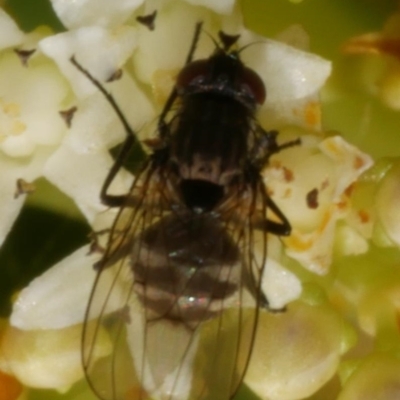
[
  {"x": 281, "y": 228},
  {"x": 266, "y": 225}
]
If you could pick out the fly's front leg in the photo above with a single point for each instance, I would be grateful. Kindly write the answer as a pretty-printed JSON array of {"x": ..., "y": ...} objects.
[
  {"x": 266, "y": 146},
  {"x": 162, "y": 124},
  {"x": 131, "y": 139}
]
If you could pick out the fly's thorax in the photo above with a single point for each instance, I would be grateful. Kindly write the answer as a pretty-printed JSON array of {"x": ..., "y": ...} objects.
[
  {"x": 211, "y": 126},
  {"x": 185, "y": 267},
  {"x": 209, "y": 141},
  {"x": 206, "y": 168}
]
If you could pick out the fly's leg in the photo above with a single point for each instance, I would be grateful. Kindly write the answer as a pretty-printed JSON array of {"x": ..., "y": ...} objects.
[
  {"x": 131, "y": 139},
  {"x": 281, "y": 228},
  {"x": 266, "y": 146},
  {"x": 272, "y": 147},
  {"x": 162, "y": 124},
  {"x": 95, "y": 246}
]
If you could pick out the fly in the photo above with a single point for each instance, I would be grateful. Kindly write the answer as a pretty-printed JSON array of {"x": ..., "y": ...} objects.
[{"x": 178, "y": 286}]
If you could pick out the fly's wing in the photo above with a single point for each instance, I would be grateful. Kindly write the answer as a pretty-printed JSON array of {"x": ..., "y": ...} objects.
[
  {"x": 230, "y": 336},
  {"x": 113, "y": 305},
  {"x": 173, "y": 311}
]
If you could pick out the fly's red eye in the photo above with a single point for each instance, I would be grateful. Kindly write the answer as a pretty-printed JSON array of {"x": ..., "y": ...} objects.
[
  {"x": 252, "y": 82},
  {"x": 194, "y": 71}
]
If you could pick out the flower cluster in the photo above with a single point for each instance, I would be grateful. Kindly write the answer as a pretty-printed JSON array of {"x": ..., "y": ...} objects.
[{"x": 55, "y": 123}]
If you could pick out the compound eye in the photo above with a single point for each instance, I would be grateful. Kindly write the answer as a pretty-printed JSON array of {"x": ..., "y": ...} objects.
[
  {"x": 253, "y": 84},
  {"x": 195, "y": 72}
]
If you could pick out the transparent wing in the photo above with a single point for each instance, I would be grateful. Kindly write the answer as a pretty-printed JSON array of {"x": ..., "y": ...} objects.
[{"x": 173, "y": 311}]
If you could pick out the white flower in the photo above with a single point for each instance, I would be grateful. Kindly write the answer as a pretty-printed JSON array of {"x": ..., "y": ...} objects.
[
  {"x": 31, "y": 128},
  {"x": 104, "y": 44},
  {"x": 296, "y": 352},
  {"x": 82, "y": 161},
  {"x": 310, "y": 185}
]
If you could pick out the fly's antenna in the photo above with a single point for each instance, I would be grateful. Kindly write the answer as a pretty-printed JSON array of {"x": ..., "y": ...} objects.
[
  {"x": 249, "y": 45},
  {"x": 216, "y": 44}
]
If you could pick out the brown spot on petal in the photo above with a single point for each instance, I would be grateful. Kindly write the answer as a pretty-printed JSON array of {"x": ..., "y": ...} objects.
[
  {"x": 288, "y": 174},
  {"x": 275, "y": 164},
  {"x": 10, "y": 388},
  {"x": 342, "y": 204},
  {"x": 117, "y": 74},
  {"x": 358, "y": 162},
  {"x": 24, "y": 55},
  {"x": 148, "y": 20},
  {"x": 364, "y": 216},
  {"x": 324, "y": 184},
  {"x": 312, "y": 114},
  {"x": 288, "y": 193},
  {"x": 349, "y": 190},
  {"x": 312, "y": 199},
  {"x": 67, "y": 115},
  {"x": 23, "y": 187},
  {"x": 135, "y": 393}
]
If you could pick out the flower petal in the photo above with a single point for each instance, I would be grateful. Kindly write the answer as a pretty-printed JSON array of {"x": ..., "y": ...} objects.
[
  {"x": 9, "y": 205},
  {"x": 166, "y": 48},
  {"x": 270, "y": 59},
  {"x": 10, "y": 34},
  {"x": 98, "y": 50},
  {"x": 48, "y": 358},
  {"x": 387, "y": 203},
  {"x": 58, "y": 298},
  {"x": 295, "y": 352},
  {"x": 55, "y": 299},
  {"x": 220, "y": 6},
  {"x": 378, "y": 377},
  {"x": 78, "y": 13},
  {"x": 81, "y": 175},
  {"x": 95, "y": 125},
  {"x": 280, "y": 285},
  {"x": 29, "y": 105}
]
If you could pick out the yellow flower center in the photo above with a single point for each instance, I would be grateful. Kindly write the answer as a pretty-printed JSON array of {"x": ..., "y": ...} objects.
[{"x": 10, "y": 122}]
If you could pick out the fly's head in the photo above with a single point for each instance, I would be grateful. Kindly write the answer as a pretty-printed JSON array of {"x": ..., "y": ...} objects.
[{"x": 224, "y": 74}]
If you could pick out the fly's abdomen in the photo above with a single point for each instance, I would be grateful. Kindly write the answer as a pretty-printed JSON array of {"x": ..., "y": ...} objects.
[{"x": 185, "y": 269}]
